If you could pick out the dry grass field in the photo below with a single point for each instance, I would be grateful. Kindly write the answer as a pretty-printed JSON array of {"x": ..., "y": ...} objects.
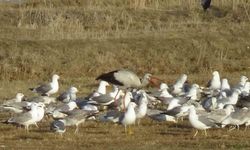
[{"x": 79, "y": 39}]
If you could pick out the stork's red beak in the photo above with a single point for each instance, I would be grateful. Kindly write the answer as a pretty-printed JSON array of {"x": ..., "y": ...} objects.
[{"x": 155, "y": 81}]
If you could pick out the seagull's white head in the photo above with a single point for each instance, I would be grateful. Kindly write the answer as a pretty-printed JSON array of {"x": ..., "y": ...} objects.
[
  {"x": 163, "y": 86},
  {"x": 132, "y": 105},
  {"x": 73, "y": 89},
  {"x": 243, "y": 79},
  {"x": 55, "y": 77},
  {"x": 19, "y": 96},
  {"x": 216, "y": 73}
]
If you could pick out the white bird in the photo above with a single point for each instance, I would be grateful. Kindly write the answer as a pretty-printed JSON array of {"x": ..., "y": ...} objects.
[
  {"x": 193, "y": 92},
  {"x": 240, "y": 85},
  {"x": 15, "y": 105},
  {"x": 142, "y": 107},
  {"x": 40, "y": 111},
  {"x": 47, "y": 89},
  {"x": 69, "y": 95},
  {"x": 57, "y": 111},
  {"x": 43, "y": 99},
  {"x": 237, "y": 118},
  {"x": 100, "y": 90},
  {"x": 199, "y": 122},
  {"x": 106, "y": 99},
  {"x": 233, "y": 99},
  {"x": 76, "y": 117},
  {"x": 18, "y": 98},
  {"x": 215, "y": 83},
  {"x": 225, "y": 85},
  {"x": 174, "y": 103},
  {"x": 246, "y": 89},
  {"x": 219, "y": 115},
  {"x": 129, "y": 117},
  {"x": 178, "y": 86},
  {"x": 26, "y": 119}
]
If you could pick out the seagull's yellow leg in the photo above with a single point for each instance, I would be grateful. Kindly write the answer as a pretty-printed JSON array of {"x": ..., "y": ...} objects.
[
  {"x": 125, "y": 129},
  {"x": 138, "y": 122},
  {"x": 130, "y": 130},
  {"x": 196, "y": 133},
  {"x": 205, "y": 131}
]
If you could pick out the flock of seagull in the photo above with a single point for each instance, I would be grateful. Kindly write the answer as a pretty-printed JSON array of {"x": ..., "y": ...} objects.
[{"x": 215, "y": 106}]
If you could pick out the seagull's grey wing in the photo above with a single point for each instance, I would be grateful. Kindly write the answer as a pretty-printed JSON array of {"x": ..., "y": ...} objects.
[
  {"x": 18, "y": 105},
  {"x": 105, "y": 98},
  {"x": 182, "y": 100},
  {"x": 64, "y": 97},
  {"x": 165, "y": 100},
  {"x": 44, "y": 88},
  {"x": 205, "y": 120},
  {"x": 174, "y": 111},
  {"x": 217, "y": 116},
  {"x": 9, "y": 101},
  {"x": 222, "y": 100},
  {"x": 63, "y": 108},
  {"x": 22, "y": 118},
  {"x": 239, "y": 114},
  {"x": 154, "y": 112},
  {"x": 113, "y": 115}
]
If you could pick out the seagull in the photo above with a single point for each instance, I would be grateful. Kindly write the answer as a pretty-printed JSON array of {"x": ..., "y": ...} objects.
[
  {"x": 15, "y": 105},
  {"x": 106, "y": 99},
  {"x": 100, "y": 90},
  {"x": 57, "y": 111},
  {"x": 241, "y": 84},
  {"x": 193, "y": 92},
  {"x": 47, "y": 89},
  {"x": 129, "y": 117},
  {"x": 218, "y": 115},
  {"x": 58, "y": 126},
  {"x": 225, "y": 88},
  {"x": 209, "y": 104},
  {"x": 246, "y": 89},
  {"x": 233, "y": 99},
  {"x": 142, "y": 107},
  {"x": 159, "y": 115},
  {"x": 215, "y": 83},
  {"x": 69, "y": 95},
  {"x": 199, "y": 122},
  {"x": 43, "y": 99},
  {"x": 40, "y": 111},
  {"x": 19, "y": 97},
  {"x": 111, "y": 116},
  {"x": 26, "y": 118},
  {"x": 179, "y": 85},
  {"x": 236, "y": 118},
  {"x": 76, "y": 117}
]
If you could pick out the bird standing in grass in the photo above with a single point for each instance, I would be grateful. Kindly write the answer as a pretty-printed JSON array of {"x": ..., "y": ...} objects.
[
  {"x": 129, "y": 117},
  {"x": 199, "y": 122},
  {"x": 47, "y": 89}
]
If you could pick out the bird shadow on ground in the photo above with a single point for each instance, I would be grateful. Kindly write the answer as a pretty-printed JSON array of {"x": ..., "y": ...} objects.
[
  {"x": 42, "y": 131},
  {"x": 25, "y": 137},
  {"x": 97, "y": 132}
]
